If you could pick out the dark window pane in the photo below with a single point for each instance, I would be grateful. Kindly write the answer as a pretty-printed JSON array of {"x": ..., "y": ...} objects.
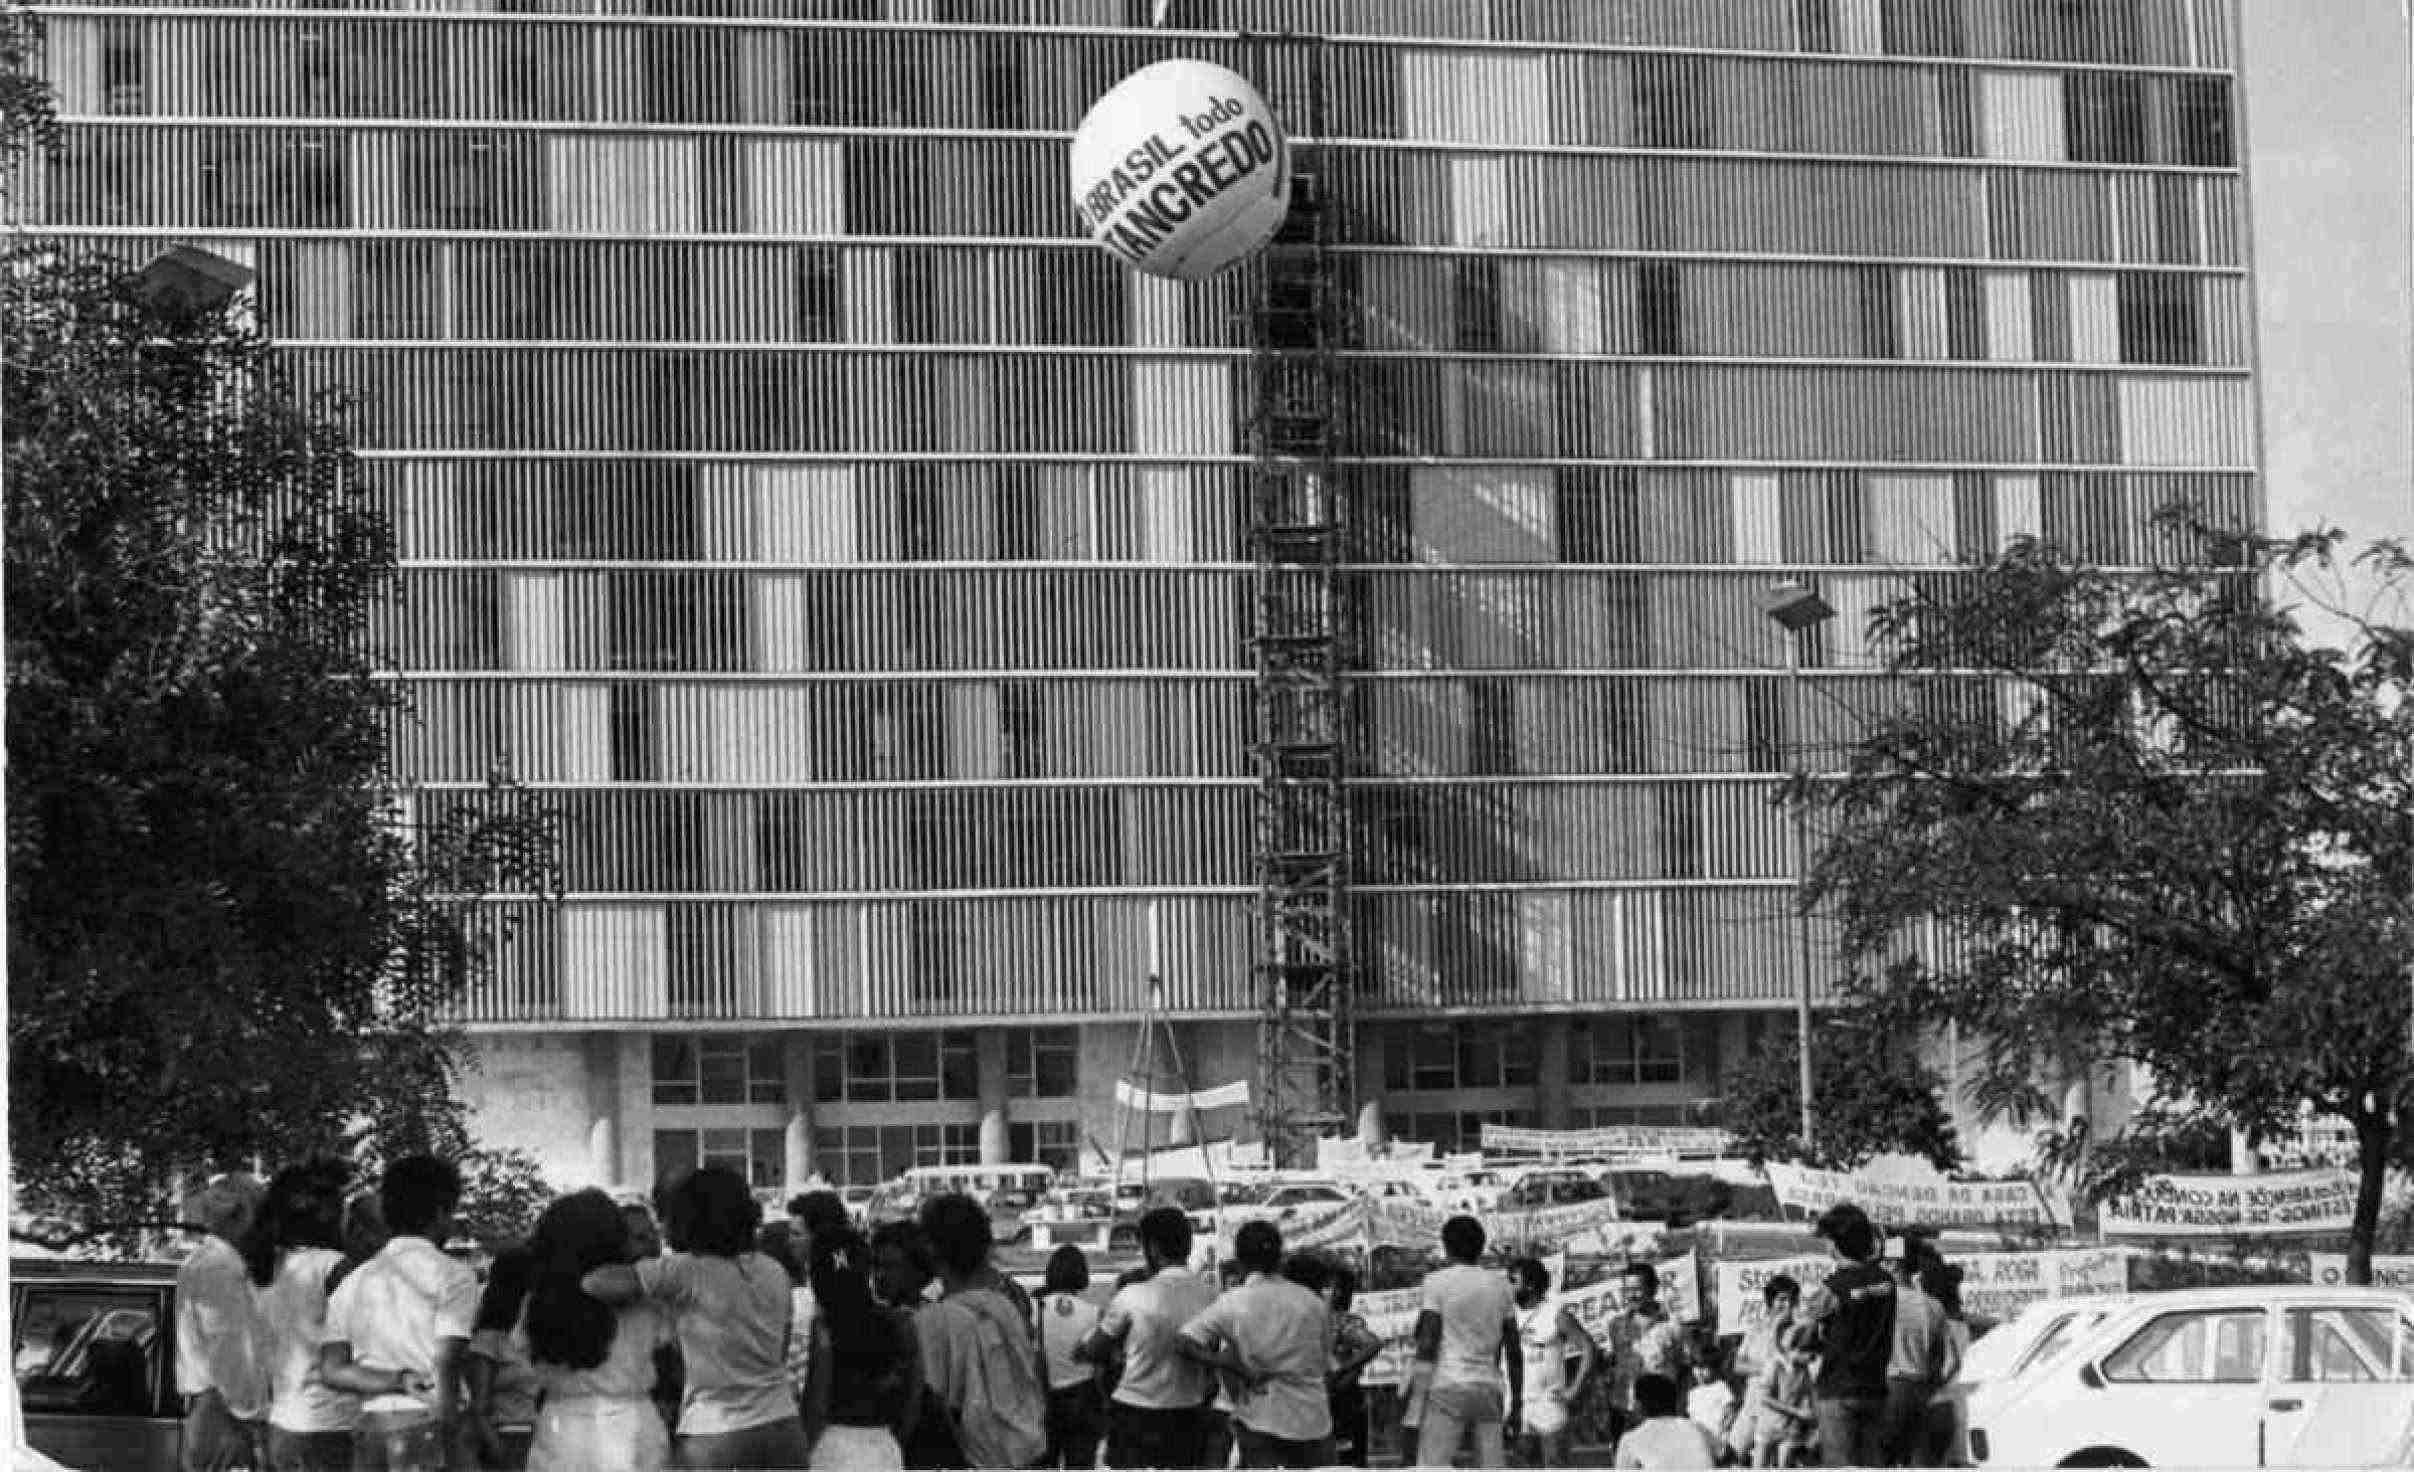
[
  {"x": 2158, "y": 319},
  {"x": 2105, "y": 118},
  {"x": 674, "y": 1154},
  {"x": 1659, "y": 307},
  {"x": 1475, "y": 292},
  {"x": 2205, "y": 136}
]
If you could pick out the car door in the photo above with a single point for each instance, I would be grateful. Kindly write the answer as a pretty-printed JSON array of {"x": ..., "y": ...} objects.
[
  {"x": 2342, "y": 1387},
  {"x": 2184, "y": 1388},
  {"x": 91, "y": 1361}
]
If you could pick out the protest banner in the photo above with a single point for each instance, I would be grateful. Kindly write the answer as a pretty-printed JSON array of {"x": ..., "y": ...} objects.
[
  {"x": 2233, "y": 1206},
  {"x": 1998, "y": 1285},
  {"x": 1392, "y": 1314},
  {"x": 1608, "y": 1140},
  {"x": 1738, "y": 1300},
  {"x": 1994, "y": 1285},
  {"x": 2329, "y": 1270},
  {"x": 1902, "y": 1194}
]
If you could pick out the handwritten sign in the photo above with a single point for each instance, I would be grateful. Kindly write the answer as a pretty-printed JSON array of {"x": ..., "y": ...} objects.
[
  {"x": 1741, "y": 1284},
  {"x": 2226, "y": 1206},
  {"x": 1997, "y": 1285},
  {"x": 1900, "y": 1196},
  {"x": 1994, "y": 1285}
]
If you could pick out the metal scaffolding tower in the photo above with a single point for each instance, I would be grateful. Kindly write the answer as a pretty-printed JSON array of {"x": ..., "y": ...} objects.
[{"x": 1301, "y": 637}]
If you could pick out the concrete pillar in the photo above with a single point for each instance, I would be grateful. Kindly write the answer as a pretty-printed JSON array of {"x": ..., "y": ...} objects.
[
  {"x": 1734, "y": 1044},
  {"x": 796, "y": 1077},
  {"x": 989, "y": 1057},
  {"x": 636, "y": 1089},
  {"x": 1551, "y": 1086},
  {"x": 602, "y": 1060},
  {"x": 1185, "y": 1130},
  {"x": 1371, "y": 1129}
]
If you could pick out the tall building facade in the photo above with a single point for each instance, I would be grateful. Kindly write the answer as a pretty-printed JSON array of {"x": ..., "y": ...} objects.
[{"x": 859, "y": 557}]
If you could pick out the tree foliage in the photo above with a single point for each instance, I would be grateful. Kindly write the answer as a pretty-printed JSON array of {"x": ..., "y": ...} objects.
[
  {"x": 230, "y": 936},
  {"x": 2141, "y": 815},
  {"x": 1871, "y": 1096}
]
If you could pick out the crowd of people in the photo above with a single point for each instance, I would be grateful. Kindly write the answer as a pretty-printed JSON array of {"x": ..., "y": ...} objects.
[{"x": 322, "y": 1329}]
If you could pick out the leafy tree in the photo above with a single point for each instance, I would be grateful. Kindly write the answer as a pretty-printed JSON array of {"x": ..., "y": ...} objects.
[
  {"x": 1871, "y": 1096},
  {"x": 230, "y": 937},
  {"x": 2141, "y": 815}
]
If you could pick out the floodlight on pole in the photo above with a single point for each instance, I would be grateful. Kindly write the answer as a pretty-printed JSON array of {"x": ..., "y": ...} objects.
[
  {"x": 186, "y": 278},
  {"x": 1796, "y": 607}
]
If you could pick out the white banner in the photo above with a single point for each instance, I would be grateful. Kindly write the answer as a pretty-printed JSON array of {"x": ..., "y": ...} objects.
[
  {"x": 2330, "y": 1270},
  {"x": 1900, "y": 1193},
  {"x": 1222, "y": 1096},
  {"x": 1608, "y": 1140},
  {"x": 1997, "y": 1285},
  {"x": 1994, "y": 1285},
  {"x": 2234, "y": 1206},
  {"x": 1740, "y": 1283},
  {"x": 1392, "y": 1314}
]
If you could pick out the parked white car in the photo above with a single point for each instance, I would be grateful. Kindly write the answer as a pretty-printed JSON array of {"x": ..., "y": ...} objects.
[
  {"x": 1476, "y": 1190},
  {"x": 2029, "y": 1340},
  {"x": 2213, "y": 1377}
]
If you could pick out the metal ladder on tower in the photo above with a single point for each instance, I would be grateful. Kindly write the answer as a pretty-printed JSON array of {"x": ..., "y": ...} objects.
[{"x": 1301, "y": 641}]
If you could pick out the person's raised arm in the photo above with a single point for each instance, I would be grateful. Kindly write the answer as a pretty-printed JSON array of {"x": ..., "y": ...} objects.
[{"x": 615, "y": 1283}]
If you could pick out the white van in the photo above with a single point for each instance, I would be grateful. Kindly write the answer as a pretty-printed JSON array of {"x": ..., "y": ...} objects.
[{"x": 2213, "y": 1377}]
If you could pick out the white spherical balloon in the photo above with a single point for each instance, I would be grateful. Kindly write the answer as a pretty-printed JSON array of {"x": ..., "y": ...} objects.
[{"x": 1181, "y": 170}]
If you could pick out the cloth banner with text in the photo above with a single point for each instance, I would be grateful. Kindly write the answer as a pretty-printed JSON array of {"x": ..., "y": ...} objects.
[
  {"x": 1392, "y": 1314},
  {"x": 1898, "y": 1193},
  {"x": 1994, "y": 1285},
  {"x": 1223, "y": 1096},
  {"x": 2330, "y": 1270},
  {"x": 1608, "y": 1140},
  {"x": 2302, "y": 1201}
]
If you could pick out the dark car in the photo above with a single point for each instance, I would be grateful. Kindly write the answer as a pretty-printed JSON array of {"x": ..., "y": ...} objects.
[
  {"x": 1540, "y": 1188},
  {"x": 93, "y": 1350},
  {"x": 1647, "y": 1195}
]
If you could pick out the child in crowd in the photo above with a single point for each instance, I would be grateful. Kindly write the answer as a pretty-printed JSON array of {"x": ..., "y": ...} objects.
[{"x": 1785, "y": 1420}]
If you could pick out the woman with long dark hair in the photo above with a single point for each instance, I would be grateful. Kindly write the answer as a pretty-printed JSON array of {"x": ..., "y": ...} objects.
[
  {"x": 731, "y": 1305},
  {"x": 594, "y": 1362},
  {"x": 865, "y": 1390},
  {"x": 291, "y": 1254},
  {"x": 495, "y": 1373}
]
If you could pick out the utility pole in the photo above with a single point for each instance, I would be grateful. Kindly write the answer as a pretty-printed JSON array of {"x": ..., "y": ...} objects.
[{"x": 1797, "y": 608}]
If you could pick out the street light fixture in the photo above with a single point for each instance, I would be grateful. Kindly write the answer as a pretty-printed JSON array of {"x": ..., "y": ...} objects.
[
  {"x": 186, "y": 278},
  {"x": 1796, "y": 607}
]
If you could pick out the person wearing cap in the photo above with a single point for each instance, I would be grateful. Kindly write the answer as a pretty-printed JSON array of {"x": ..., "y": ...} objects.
[
  {"x": 1853, "y": 1309},
  {"x": 221, "y": 1339}
]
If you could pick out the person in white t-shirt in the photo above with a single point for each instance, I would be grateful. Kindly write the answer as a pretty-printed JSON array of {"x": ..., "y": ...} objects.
[
  {"x": 1664, "y": 1438},
  {"x": 399, "y": 1325},
  {"x": 1157, "y": 1416},
  {"x": 292, "y": 1252},
  {"x": 1466, "y": 1331},
  {"x": 1275, "y": 1339},
  {"x": 1076, "y": 1411},
  {"x": 1548, "y": 1336},
  {"x": 732, "y": 1306},
  {"x": 220, "y": 1352}
]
